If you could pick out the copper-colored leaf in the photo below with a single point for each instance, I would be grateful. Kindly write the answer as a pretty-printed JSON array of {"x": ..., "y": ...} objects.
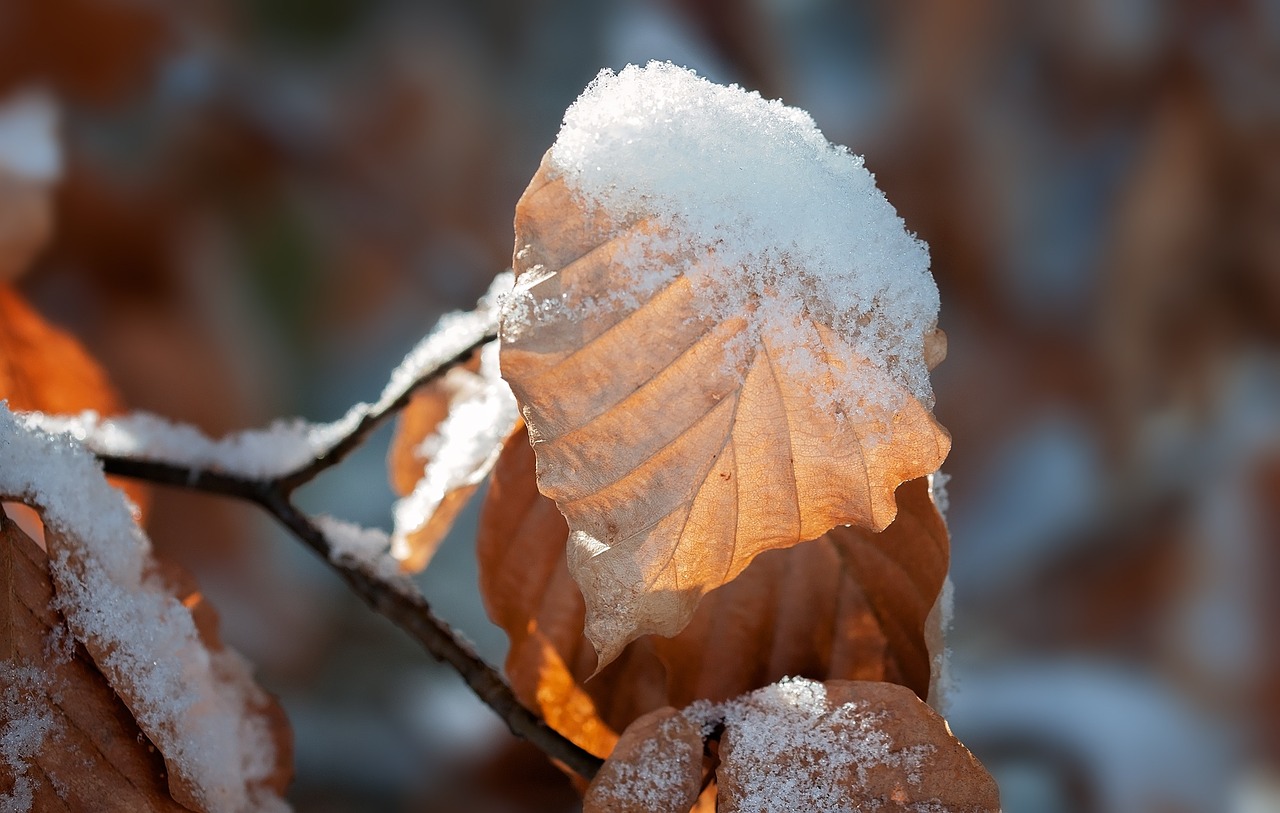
[
  {"x": 78, "y": 747},
  {"x": 852, "y": 604},
  {"x": 841, "y": 745},
  {"x": 681, "y": 443},
  {"x": 656, "y": 767},
  {"x": 43, "y": 368},
  {"x": 224, "y": 742},
  {"x": 451, "y": 434}
]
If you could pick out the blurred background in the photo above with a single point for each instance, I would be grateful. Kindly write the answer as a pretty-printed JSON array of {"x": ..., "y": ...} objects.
[{"x": 262, "y": 204}]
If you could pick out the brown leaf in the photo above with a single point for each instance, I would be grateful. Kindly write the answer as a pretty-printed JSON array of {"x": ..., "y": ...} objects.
[
  {"x": 850, "y": 605},
  {"x": 26, "y": 222},
  {"x": 841, "y": 745},
  {"x": 224, "y": 741},
  {"x": 420, "y": 419},
  {"x": 680, "y": 445},
  {"x": 452, "y": 438},
  {"x": 81, "y": 749},
  {"x": 656, "y": 767},
  {"x": 46, "y": 369}
]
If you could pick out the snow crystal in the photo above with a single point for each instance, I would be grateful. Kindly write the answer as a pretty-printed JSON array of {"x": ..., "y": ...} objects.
[
  {"x": 200, "y": 722},
  {"x": 653, "y": 775},
  {"x": 355, "y": 545},
  {"x": 26, "y": 721},
  {"x": 462, "y": 450},
  {"x": 794, "y": 751},
  {"x": 28, "y": 138},
  {"x": 733, "y": 181}
]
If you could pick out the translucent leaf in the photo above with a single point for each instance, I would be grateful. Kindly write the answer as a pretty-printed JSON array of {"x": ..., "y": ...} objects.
[
  {"x": 451, "y": 435},
  {"x": 44, "y": 368},
  {"x": 694, "y": 402}
]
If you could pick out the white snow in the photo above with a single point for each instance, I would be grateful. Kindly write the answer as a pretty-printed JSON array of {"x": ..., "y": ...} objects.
[
  {"x": 26, "y": 722},
  {"x": 276, "y": 450},
  {"x": 792, "y": 749},
  {"x": 286, "y": 445},
  {"x": 733, "y": 181},
  {"x": 192, "y": 703},
  {"x": 28, "y": 137},
  {"x": 354, "y": 545},
  {"x": 462, "y": 450}
]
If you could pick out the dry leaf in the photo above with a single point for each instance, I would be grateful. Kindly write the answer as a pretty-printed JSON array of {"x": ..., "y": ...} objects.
[
  {"x": 680, "y": 445},
  {"x": 655, "y": 768},
  {"x": 77, "y": 747},
  {"x": 850, "y": 605},
  {"x": 43, "y": 368},
  {"x": 224, "y": 742},
  {"x": 845, "y": 745},
  {"x": 452, "y": 437},
  {"x": 798, "y": 745}
]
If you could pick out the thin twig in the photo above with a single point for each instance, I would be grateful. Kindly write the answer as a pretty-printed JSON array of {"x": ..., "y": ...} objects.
[
  {"x": 408, "y": 609},
  {"x": 373, "y": 418},
  {"x": 399, "y": 602}
]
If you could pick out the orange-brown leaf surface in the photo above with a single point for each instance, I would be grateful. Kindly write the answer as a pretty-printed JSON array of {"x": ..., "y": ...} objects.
[
  {"x": 680, "y": 444},
  {"x": 78, "y": 746},
  {"x": 656, "y": 767},
  {"x": 852, "y": 605},
  {"x": 45, "y": 368},
  {"x": 845, "y": 745}
]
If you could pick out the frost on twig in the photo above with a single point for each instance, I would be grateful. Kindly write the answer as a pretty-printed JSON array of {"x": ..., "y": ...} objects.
[{"x": 291, "y": 450}]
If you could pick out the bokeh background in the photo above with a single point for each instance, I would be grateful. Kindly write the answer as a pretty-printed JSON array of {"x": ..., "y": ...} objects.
[{"x": 263, "y": 204}]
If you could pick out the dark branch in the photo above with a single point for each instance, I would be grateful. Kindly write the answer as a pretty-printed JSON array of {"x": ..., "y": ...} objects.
[
  {"x": 374, "y": 418},
  {"x": 172, "y": 474},
  {"x": 409, "y": 610},
  {"x": 399, "y": 601}
]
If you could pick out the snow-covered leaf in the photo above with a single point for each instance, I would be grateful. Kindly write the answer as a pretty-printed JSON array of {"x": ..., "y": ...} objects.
[
  {"x": 453, "y": 433},
  {"x": 224, "y": 743},
  {"x": 845, "y": 745},
  {"x": 718, "y": 338},
  {"x": 656, "y": 767},
  {"x": 66, "y": 741}
]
